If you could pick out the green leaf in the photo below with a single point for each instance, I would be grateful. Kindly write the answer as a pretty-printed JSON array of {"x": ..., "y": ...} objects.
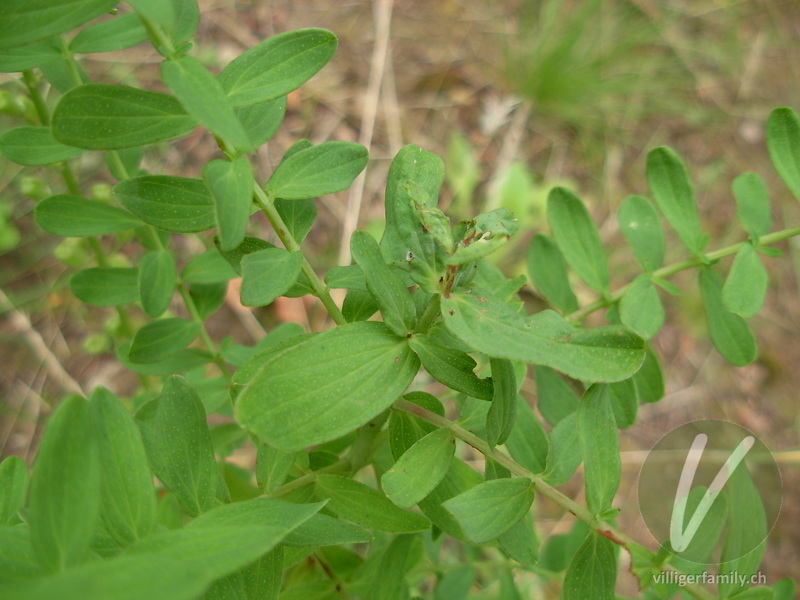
[
  {"x": 157, "y": 279},
  {"x": 273, "y": 466},
  {"x": 179, "y": 446},
  {"x": 577, "y": 237},
  {"x": 73, "y": 216},
  {"x": 669, "y": 183},
  {"x": 231, "y": 186},
  {"x": 327, "y": 385},
  {"x": 160, "y": 339},
  {"x": 592, "y": 572},
  {"x": 208, "y": 267},
  {"x": 520, "y": 542},
  {"x": 65, "y": 488},
  {"x": 298, "y": 215},
  {"x": 175, "y": 204},
  {"x": 640, "y": 307},
  {"x": 641, "y": 225},
  {"x": 459, "y": 478},
  {"x": 784, "y": 589},
  {"x": 746, "y": 285},
  {"x": 419, "y": 469},
  {"x": 203, "y": 97},
  {"x": 181, "y": 361},
  {"x": 109, "y": 117},
  {"x": 783, "y": 143},
  {"x": 554, "y": 398},
  {"x": 482, "y": 236},
  {"x": 527, "y": 442},
  {"x": 267, "y": 274},
  {"x": 324, "y": 169},
  {"x": 406, "y": 430},
  {"x": 262, "y": 121},
  {"x": 455, "y": 584},
  {"x": 322, "y": 530},
  {"x": 350, "y": 277},
  {"x": 105, "y": 286},
  {"x": 358, "y": 306},
  {"x": 564, "y": 451},
  {"x": 492, "y": 507},
  {"x": 123, "y": 31},
  {"x": 30, "y": 56},
  {"x": 366, "y": 506},
  {"x": 234, "y": 257},
  {"x": 24, "y": 22},
  {"x": 729, "y": 332},
  {"x": 452, "y": 367},
  {"x": 649, "y": 380},
  {"x": 208, "y": 297},
  {"x": 503, "y": 410},
  {"x": 394, "y": 299},
  {"x": 390, "y": 582},
  {"x": 177, "y": 18},
  {"x": 34, "y": 146},
  {"x": 489, "y": 326},
  {"x": 752, "y": 204},
  {"x": 597, "y": 429},
  {"x": 404, "y": 241},
  {"x": 624, "y": 402},
  {"x": 277, "y": 66},
  {"x": 548, "y": 272},
  {"x": 14, "y": 483},
  {"x": 128, "y": 504}
]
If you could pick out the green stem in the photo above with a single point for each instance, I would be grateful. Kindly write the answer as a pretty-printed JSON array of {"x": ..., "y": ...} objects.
[
  {"x": 286, "y": 237},
  {"x": 69, "y": 58},
  {"x": 209, "y": 343},
  {"x": 157, "y": 35},
  {"x": 683, "y": 265},
  {"x": 38, "y": 102},
  {"x": 541, "y": 486},
  {"x": 340, "y": 466}
]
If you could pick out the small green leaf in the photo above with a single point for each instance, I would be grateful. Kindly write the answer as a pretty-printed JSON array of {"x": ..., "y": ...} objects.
[
  {"x": 640, "y": 307},
  {"x": 179, "y": 446},
  {"x": 267, "y": 274},
  {"x": 178, "y": 19},
  {"x": 491, "y": 508},
  {"x": 641, "y": 225},
  {"x": 350, "y": 277},
  {"x": 128, "y": 503},
  {"x": 366, "y": 506},
  {"x": 234, "y": 257},
  {"x": 34, "y": 146},
  {"x": 783, "y": 143},
  {"x": 554, "y": 398},
  {"x": 649, "y": 380},
  {"x": 455, "y": 584},
  {"x": 600, "y": 445},
  {"x": 419, "y": 469},
  {"x": 324, "y": 169},
  {"x": 231, "y": 186},
  {"x": 327, "y": 385},
  {"x": 64, "y": 504},
  {"x": 204, "y": 98},
  {"x": 358, "y": 306},
  {"x": 123, "y": 31},
  {"x": 273, "y": 466},
  {"x": 752, "y": 204},
  {"x": 624, "y": 402},
  {"x": 482, "y": 236},
  {"x": 298, "y": 215},
  {"x": 564, "y": 451},
  {"x": 322, "y": 530},
  {"x": 277, "y": 66},
  {"x": 262, "y": 121},
  {"x": 492, "y": 327},
  {"x": 14, "y": 483},
  {"x": 175, "y": 204},
  {"x": 520, "y": 542},
  {"x": 577, "y": 237},
  {"x": 30, "y": 56},
  {"x": 24, "y": 22},
  {"x": 105, "y": 286},
  {"x": 458, "y": 479},
  {"x": 209, "y": 267},
  {"x": 109, "y": 117},
  {"x": 503, "y": 410},
  {"x": 73, "y": 216},
  {"x": 208, "y": 297},
  {"x": 160, "y": 339},
  {"x": 157, "y": 279},
  {"x": 746, "y": 285},
  {"x": 592, "y": 572},
  {"x": 406, "y": 430},
  {"x": 669, "y": 183},
  {"x": 390, "y": 582},
  {"x": 527, "y": 442},
  {"x": 548, "y": 271},
  {"x": 729, "y": 332},
  {"x": 394, "y": 299},
  {"x": 452, "y": 367}
]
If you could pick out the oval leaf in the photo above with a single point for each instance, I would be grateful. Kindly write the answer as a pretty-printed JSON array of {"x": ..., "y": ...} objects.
[
  {"x": 231, "y": 187},
  {"x": 175, "y": 204},
  {"x": 325, "y": 169},
  {"x": 452, "y": 367},
  {"x": 592, "y": 572},
  {"x": 14, "y": 483},
  {"x": 577, "y": 237},
  {"x": 746, "y": 285},
  {"x": 597, "y": 429},
  {"x": 157, "y": 279},
  {"x": 327, "y": 385},
  {"x": 123, "y": 31},
  {"x": 105, "y": 286},
  {"x": 640, "y": 307},
  {"x": 15, "y": 60},
  {"x": 783, "y": 143},
  {"x": 554, "y": 398},
  {"x": 109, "y": 117},
  {"x": 73, "y": 216},
  {"x": 752, "y": 204},
  {"x": 548, "y": 271},
  {"x": 492, "y": 507},
  {"x": 729, "y": 332},
  {"x": 419, "y": 469},
  {"x": 34, "y": 146},
  {"x": 267, "y": 274},
  {"x": 503, "y": 410},
  {"x": 160, "y": 339},
  {"x": 262, "y": 121},
  {"x": 641, "y": 225}
]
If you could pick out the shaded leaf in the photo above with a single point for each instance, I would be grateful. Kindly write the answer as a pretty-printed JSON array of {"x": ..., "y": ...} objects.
[
  {"x": 729, "y": 332},
  {"x": 73, "y": 216},
  {"x": 14, "y": 483},
  {"x": 597, "y": 430},
  {"x": 564, "y": 451},
  {"x": 783, "y": 143},
  {"x": 298, "y": 215},
  {"x": 592, "y": 572},
  {"x": 231, "y": 186},
  {"x": 503, "y": 410},
  {"x": 34, "y": 146},
  {"x": 554, "y": 398},
  {"x": 267, "y": 274},
  {"x": 453, "y": 368},
  {"x": 175, "y": 204},
  {"x": 548, "y": 271},
  {"x": 157, "y": 279},
  {"x": 105, "y": 286},
  {"x": 640, "y": 307},
  {"x": 746, "y": 285},
  {"x": 158, "y": 340},
  {"x": 641, "y": 225},
  {"x": 752, "y": 204},
  {"x": 123, "y": 31}
]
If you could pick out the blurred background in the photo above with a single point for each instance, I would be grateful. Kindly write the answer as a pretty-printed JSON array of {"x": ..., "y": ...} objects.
[{"x": 517, "y": 96}]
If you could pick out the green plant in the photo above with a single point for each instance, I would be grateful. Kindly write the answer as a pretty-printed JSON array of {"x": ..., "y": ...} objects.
[{"x": 344, "y": 451}]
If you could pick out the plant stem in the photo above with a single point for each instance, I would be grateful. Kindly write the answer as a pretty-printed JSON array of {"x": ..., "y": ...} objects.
[
  {"x": 209, "y": 343},
  {"x": 286, "y": 237},
  {"x": 38, "y": 102},
  {"x": 340, "y": 466},
  {"x": 541, "y": 486},
  {"x": 683, "y": 265}
]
